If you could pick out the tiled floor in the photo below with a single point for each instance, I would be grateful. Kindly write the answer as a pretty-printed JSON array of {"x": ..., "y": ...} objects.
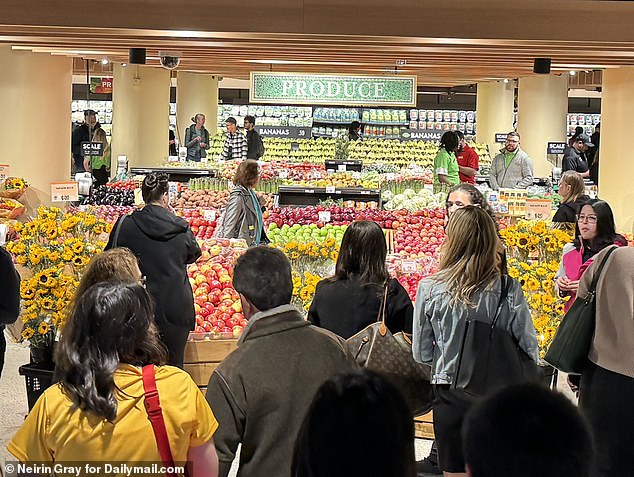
[{"x": 13, "y": 404}]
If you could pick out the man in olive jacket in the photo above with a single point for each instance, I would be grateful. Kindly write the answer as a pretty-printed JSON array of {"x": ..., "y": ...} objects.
[{"x": 261, "y": 392}]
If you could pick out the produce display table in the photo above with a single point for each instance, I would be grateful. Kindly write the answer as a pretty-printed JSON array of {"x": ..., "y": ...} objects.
[
  {"x": 202, "y": 357},
  {"x": 176, "y": 174},
  {"x": 302, "y": 196}
]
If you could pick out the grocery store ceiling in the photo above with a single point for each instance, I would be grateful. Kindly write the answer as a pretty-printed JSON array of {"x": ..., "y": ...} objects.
[{"x": 321, "y": 38}]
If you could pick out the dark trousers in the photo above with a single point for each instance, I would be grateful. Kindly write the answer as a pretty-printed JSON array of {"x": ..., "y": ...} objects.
[
  {"x": 174, "y": 338},
  {"x": 3, "y": 348},
  {"x": 607, "y": 401},
  {"x": 101, "y": 176}
]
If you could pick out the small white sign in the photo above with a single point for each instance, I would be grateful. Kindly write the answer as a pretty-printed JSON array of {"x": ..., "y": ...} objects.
[
  {"x": 138, "y": 197},
  {"x": 64, "y": 192},
  {"x": 330, "y": 189},
  {"x": 428, "y": 187},
  {"x": 283, "y": 175},
  {"x": 342, "y": 167},
  {"x": 209, "y": 214},
  {"x": 4, "y": 171},
  {"x": 409, "y": 266},
  {"x": 324, "y": 216}
]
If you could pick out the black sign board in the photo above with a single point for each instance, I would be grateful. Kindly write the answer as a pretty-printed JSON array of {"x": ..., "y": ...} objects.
[
  {"x": 501, "y": 137},
  {"x": 421, "y": 134},
  {"x": 292, "y": 132},
  {"x": 343, "y": 166},
  {"x": 556, "y": 147},
  {"x": 91, "y": 148}
]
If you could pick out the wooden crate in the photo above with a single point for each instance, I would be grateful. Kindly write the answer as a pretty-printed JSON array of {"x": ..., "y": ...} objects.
[
  {"x": 202, "y": 357},
  {"x": 424, "y": 426}
]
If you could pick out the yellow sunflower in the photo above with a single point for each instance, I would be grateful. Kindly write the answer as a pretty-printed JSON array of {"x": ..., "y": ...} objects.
[
  {"x": 295, "y": 255},
  {"x": 28, "y": 333},
  {"x": 43, "y": 328},
  {"x": 78, "y": 248},
  {"x": 329, "y": 242}
]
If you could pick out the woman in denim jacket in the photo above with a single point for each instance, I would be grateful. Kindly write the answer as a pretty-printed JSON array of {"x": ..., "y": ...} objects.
[{"x": 467, "y": 287}]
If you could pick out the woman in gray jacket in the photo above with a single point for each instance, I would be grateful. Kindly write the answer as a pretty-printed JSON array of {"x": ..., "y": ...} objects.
[
  {"x": 243, "y": 215},
  {"x": 466, "y": 288}
]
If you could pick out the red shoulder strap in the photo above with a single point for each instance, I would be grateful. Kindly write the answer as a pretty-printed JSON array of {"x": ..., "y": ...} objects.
[{"x": 153, "y": 406}]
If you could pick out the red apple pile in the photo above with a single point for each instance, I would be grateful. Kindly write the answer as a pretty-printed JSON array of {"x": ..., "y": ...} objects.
[
  {"x": 217, "y": 304},
  {"x": 338, "y": 216},
  {"x": 122, "y": 185},
  {"x": 109, "y": 213},
  {"x": 202, "y": 222},
  {"x": 420, "y": 233}
]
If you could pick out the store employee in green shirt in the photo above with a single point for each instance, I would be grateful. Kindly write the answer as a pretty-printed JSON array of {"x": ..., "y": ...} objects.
[{"x": 446, "y": 170}]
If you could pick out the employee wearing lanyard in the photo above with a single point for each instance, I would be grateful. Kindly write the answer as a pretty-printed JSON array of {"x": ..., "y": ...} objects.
[{"x": 242, "y": 218}]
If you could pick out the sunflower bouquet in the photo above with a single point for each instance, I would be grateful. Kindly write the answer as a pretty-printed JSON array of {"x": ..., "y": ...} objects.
[
  {"x": 304, "y": 285},
  {"x": 13, "y": 187},
  {"x": 55, "y": 247},
  {"x": 534, "y": 251}
]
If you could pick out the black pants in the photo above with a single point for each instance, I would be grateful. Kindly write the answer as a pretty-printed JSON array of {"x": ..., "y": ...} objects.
[
  {"x": 3, "y": 348},
  {"x": 607, "y": 401},
  {"x": 101, "y": 176},
  {"x": 174, "y": 337}
]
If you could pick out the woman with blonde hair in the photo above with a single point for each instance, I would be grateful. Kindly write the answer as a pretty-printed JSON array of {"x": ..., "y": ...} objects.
[
  {"x": 468, "y": 287},
  {"x": 99, "y": 165},
  {"x": 571, "y": 190}
]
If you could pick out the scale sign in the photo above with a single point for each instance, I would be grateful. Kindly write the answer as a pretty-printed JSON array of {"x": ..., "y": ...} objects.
[{"x": 556, "y": 147}]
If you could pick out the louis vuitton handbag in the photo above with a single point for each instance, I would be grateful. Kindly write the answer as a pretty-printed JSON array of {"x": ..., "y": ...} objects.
[{"x": 390, "y": 355}]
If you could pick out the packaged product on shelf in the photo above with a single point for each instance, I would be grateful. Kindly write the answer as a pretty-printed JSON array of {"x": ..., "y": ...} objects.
[
  {"x": 422, "y": 115},
  {"x": 446, "y": 116},
  {"x": 454, "y": 116},
  {"x": 413, "y": 125},
  {"x": 437, "y": 116},
  {"x": 413, "y": 114},
  {"x": 430, "y": 125},
  {"x": 462, "y": 116},
  {"x": 470, "y": 116}
]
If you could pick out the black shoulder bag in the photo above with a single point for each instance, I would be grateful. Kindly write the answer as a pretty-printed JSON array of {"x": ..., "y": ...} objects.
[{"x": 491, "y": 357}]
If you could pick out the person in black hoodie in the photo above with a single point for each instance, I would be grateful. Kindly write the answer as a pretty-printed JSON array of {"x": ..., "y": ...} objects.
[
  {"x": 9, "y": 298},
  {"x": 83, "y": 133},
  {"x": 571, "y": 188},
  {"x": 164, "y": 245},
  {"x": 351, "y": 300}
]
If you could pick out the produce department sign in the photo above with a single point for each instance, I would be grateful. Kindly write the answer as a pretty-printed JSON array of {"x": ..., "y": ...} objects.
[{"x": 298, "y": 88}]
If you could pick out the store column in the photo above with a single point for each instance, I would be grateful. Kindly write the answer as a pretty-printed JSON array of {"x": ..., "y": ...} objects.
[
  {"x": 35, "y": 122},
  {"x": 542, "y": 106},
  {"x": 140, "y": 115},
  {"x": 196, "y": 93},
  {"x": 616, "y": 168},
  {"x": 494, "y": 112}
]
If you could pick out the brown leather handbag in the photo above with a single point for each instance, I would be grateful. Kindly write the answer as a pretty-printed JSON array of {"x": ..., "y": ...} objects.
[{"x": 390, "y": 355}]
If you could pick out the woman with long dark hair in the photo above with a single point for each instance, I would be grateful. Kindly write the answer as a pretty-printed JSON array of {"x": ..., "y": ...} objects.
[
  {"x": 351, "y": 299},
  {"x": 97, "y": 412},
  {"x": 468, "y": 287},
  {"x": 164, "y": 245},
  {"x": 357, "y": 426},
  {"x": 595, "y": 230}
]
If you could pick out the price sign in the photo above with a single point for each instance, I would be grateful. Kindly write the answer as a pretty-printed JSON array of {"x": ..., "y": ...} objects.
[
  {"x": 538, "y": 209},
  {"x": 91, "y": 148},
  {"x": 324, "y": 216},
  {"x": 409, "y": 266},
  {"x": 283, "y": 175},
  {"x": 428, "y": 187},
  {"x": 500, "y": 137},
  {"x": 342, "y": 167},
  {"x": 138, "y": 197},
  {"x": 4, "y": 171},
  {"x": 64, "y": 191},
  {"x": 309, "y": 191},
  {"x": 330, "y": 189},
  {"x": 209, "y": 214},
  {"x": 276, "y": 200}
]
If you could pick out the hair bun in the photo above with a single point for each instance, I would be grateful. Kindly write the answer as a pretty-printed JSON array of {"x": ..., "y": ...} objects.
[{"x": 151, "y": 180}]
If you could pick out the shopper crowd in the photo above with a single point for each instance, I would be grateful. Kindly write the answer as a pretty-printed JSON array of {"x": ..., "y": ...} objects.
[{"x": 292, "y": 396}]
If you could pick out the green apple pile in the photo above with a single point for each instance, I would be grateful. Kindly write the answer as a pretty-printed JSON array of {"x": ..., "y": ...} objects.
[{"x": 305, "y": 233}]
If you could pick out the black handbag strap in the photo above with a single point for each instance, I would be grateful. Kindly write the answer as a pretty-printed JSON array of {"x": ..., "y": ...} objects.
[
  {"x": 505, "y": 284},
  {"x": 595, "y": 279},
  {"x": 117, "y": 230}
]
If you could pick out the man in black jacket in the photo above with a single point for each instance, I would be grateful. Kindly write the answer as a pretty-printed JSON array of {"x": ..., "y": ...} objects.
[
  {"x": 575, "y": 156},
  {"x": 9, "y": 298},
  {"x": 255, "y": 146},
  {"x": 83, "y": 133},
  {"x": 261, "y": 392}
]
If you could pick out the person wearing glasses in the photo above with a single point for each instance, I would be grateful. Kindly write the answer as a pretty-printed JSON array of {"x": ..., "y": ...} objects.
[
  {"x": 511, "y": 168},
  {"x": 164, "y": 245},
  {"x": 594, "y": 231}
]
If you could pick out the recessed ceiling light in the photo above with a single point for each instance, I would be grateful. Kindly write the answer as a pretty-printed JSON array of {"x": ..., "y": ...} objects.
[
  {"x": 506, "y": 80},
  {"x": 573, "y": 72},
  {"x": 105, "y": 61},
  {"x": 124, "y": 64}
]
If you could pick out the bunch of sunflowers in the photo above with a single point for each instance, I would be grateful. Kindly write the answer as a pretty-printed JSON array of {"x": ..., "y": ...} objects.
[
  {"x": 55, "y": 246},
  {"x": 13, "y": 187},
  {"x": 304, "y": 285},
  {"x": 534, "y": 252}
]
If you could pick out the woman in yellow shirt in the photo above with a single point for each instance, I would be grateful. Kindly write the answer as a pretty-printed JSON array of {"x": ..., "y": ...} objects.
[{"x": 96, "y": 413}]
